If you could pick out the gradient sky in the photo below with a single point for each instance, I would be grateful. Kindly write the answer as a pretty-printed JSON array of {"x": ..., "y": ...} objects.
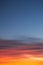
[{"x": 21, "y": 17}]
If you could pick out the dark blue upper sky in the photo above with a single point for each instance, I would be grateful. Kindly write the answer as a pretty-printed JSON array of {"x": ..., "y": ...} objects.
[{"x": 21, "y": 17}]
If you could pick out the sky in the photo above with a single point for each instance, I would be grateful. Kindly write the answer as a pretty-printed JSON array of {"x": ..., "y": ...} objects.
[{"x": 21, "y": 18}]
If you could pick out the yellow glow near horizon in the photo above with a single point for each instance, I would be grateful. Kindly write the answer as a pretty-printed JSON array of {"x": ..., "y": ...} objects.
[{"x": 28, "y": 60}]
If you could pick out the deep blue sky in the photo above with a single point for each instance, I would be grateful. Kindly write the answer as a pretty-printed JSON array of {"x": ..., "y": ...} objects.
[{"x": 21, "y": 17}]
